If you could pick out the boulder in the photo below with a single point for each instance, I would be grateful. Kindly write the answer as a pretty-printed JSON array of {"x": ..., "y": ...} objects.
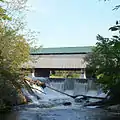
[{"x": 67, "y": 103}]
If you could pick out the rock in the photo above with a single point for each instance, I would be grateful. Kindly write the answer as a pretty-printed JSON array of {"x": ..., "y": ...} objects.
[
  {"x": 87, "y": 101},
  {"x": 67, "y": 103},
  {"x": 81, "y": 99},
  {"x": 78, "y": 100}
]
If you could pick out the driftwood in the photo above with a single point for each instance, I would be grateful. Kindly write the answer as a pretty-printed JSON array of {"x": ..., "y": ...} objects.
[
  {"x": 36, "y": 82},
  {"x": 59, "y": 91},
  {"x": 37, "y": 90},
  {"x": 84, "y": 96},
  {"x": 101, "y": 103},
  {"x": 33, "y": 87}
]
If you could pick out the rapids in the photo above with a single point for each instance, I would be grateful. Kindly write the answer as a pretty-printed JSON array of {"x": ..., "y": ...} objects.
[{"x": 50, "y": 105}]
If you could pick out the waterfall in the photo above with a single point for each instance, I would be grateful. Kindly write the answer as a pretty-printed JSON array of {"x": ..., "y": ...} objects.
[
  {"x": 80, "y": 87},
  {"x": 29, "y": 96},
  {"x": 76, "y": 86},
  {"x": 70, "y": 86},
  {"x": 33, "y": 93},
  {"x": 92, "y": 88},
  {"x": 57, "y": 85}
]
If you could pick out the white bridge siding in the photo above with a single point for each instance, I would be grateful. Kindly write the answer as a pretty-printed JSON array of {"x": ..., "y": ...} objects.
[{"x": 71, "y": 61}]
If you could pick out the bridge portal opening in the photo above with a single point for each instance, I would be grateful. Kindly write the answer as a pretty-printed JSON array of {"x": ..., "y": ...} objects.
[{"x": 60, "y": 73}]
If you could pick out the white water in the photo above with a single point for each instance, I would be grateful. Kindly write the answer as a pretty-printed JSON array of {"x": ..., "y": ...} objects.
[
  {"x": 37, "y": 91},
  {"x": 57, "y": 85},
  {"x": 80, "y": 88},
  {"x": 30, "y": 96},
  {"x": 53, "y": 98}
]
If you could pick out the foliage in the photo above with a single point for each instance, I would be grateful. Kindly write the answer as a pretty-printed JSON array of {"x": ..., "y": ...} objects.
[
  {"x": 116, "y": 7},
  {"x": 65, "y": 74},
  {"x": 3, "y": 15},
  {"x": 105, "y": 62},
  {"x": 14, "y": 50}
]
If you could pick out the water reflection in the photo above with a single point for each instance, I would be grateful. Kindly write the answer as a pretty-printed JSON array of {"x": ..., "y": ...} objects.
[
  {"x": 9, "y": 116},
  {"x": 60, "y": 114}
]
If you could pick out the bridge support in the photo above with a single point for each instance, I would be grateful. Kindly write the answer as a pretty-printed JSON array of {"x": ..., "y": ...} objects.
[
  {"x": 83, "y": 74},
  {"x": 33, "y": 72}
]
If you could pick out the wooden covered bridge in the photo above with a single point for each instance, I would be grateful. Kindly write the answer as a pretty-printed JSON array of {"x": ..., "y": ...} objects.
[{"x": 46, "y": 60}]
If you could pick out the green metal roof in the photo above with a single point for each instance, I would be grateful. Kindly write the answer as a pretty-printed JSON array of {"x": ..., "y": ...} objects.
[{"x": 62, "y": 50}]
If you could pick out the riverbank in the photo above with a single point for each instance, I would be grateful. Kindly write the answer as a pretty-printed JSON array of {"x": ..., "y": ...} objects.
[
  {"x": 106, "y": 105},
  {"x": 20, "y": 97},
  {"x": 113, "y": 108},
  {"x": 51, "y": 107}
]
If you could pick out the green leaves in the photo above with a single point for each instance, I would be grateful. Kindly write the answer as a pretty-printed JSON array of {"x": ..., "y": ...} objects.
[
  {"x": 14, "y": 48},
  {"x": 3, "y": 15},
  {"x": 105, "y": 61},
  {"x": 116, "y": 7},
  {"x": 1, "y": 0},
  {"x": 115, "y": 28},
  {"x": 14, "y": 51}
]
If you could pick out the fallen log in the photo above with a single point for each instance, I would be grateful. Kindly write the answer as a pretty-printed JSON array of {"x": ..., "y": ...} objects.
[
  {"x": 38, "y": 90},
  {"x": 36, "y": 82},
  {"x": 87, "y": 96},
  {"x": 98, "y": 103},
  {"x": 59, "y": 91},
  {"x": 33, "y": 87}
]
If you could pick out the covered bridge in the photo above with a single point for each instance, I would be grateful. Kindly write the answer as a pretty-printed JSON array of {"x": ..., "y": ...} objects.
[{"x": 45, "y": 60}]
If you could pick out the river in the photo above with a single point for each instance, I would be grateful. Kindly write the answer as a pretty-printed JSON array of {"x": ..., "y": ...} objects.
[
  {"x": 68, "y": 113},
  {"x": 51, "y": 107}
]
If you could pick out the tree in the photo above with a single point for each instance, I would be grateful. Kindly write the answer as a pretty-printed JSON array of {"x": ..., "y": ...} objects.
[
  {"x": 14, "y": 50},
  {"x": 3, "y": 15},
  {"x": 116, "y": 7},
  {"x": 105, "y": 63}
]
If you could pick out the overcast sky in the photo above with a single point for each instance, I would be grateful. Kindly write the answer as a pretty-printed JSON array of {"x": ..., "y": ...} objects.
[{"x": 70, "y": 23}]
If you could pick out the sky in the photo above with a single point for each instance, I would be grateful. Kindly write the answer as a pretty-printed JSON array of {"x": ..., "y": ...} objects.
[{"x": 71, "y": 23}]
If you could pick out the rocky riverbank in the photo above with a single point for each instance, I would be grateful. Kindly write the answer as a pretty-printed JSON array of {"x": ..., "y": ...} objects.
[
  {"x": 20, "y": 98},
  {"x": 106, "y": 105},
  {"x": 114, "y": 108}
]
